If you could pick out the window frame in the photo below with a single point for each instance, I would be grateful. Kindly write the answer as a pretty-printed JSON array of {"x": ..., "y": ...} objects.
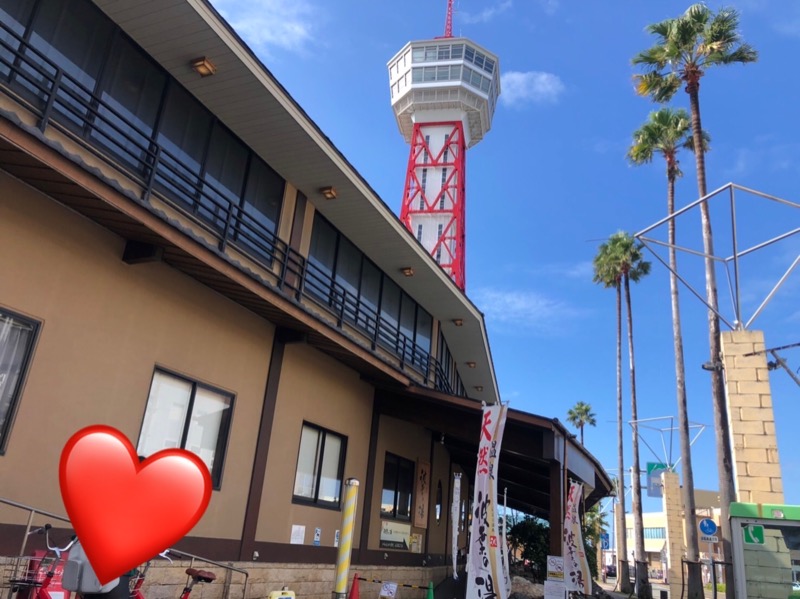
[
  {"x": 399, "y": 461},
  {"x": 25, "y": 366},
  {"x": 316, "y": 501},
  {"x": 226, "y": 422}
]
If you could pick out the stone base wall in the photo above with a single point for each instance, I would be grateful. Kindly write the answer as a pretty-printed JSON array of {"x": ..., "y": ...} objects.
[
  {"x": 676, "y": 549},
  {"x": 308, "y": 581}
]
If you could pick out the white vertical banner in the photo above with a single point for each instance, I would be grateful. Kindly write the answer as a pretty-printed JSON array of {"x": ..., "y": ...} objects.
[
  {"x": 576, "y": 567},
  {"x": 455, "y": 520},
  {"x": 504, "y": 544},
  {"x": 486, "y": 574}
]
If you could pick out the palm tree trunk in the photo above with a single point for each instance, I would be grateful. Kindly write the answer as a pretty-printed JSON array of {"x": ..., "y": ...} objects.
[
  {"x": 727, "y": 490},
  {"x": 623, "y": 575},
  {"x": 643, "y": 590},
  {"x": 694, "y": 578},
  {"x": 582, "y": 425}
]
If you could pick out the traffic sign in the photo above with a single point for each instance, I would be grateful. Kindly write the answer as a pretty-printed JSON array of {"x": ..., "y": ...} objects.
[
  {"x": 654, "y": 470},
  {"x": 604, "y": 540},
  {"x": 753, "y": 534},
  {"x": 709, "y": 539},
  {"x": 707, "y": 526}
]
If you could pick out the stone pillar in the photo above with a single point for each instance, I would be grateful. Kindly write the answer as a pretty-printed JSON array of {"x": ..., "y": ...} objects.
[
  {"x": 756, "y": 468},
  {"x": 676, "y": 547}
]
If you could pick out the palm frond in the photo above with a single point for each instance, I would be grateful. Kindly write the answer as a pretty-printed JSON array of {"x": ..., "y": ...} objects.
[
  {"x": 620, "y": 256},
  {"x": 654, "y": 58},
  {"x": 689, "y": 143},
  {"x": 660, "y": 29},
  {"x": 743, "y": 54},
  {"x": 658, "y": 87}
]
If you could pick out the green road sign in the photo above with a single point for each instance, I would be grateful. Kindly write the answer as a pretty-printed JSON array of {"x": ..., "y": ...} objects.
[{"x": 753, "y": 534}]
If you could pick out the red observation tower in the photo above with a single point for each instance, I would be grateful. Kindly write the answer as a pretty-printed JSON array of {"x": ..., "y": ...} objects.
[{"x": 444, "y": 91}]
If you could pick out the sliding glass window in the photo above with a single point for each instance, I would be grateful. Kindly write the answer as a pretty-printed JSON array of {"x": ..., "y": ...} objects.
[
  {"x": 14, "y": 15},
  {"x": 78, "y": 42},
  {"x": 130, "y": 95},
  {"x": 183, "y": 135}
]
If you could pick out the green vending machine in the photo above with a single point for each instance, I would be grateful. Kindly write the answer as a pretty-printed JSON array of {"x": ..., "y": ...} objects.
[{"x": 766, "y": 545}]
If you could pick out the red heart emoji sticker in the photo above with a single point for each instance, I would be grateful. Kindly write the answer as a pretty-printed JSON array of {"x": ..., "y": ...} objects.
[{"x": 125, "y": 512}]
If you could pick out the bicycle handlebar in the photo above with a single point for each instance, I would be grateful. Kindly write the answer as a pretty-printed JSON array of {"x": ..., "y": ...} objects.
[{"x": 57, "y": 550}]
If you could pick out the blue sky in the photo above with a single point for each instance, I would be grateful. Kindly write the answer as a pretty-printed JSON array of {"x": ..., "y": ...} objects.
[{"x": 550, "y": 182}]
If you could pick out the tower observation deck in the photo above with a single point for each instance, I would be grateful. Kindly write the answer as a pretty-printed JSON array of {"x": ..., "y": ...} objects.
[{"x": 444, "y": 93}]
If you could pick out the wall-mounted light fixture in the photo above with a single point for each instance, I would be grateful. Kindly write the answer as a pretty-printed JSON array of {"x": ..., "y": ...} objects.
[
  {"x": 458, "y": 322},
  {"x": 203, "y": 66},
  {"x": 407, "y": 271},
  {"x": 470, "y": 364},
  {"x": 328, "y": 192}
]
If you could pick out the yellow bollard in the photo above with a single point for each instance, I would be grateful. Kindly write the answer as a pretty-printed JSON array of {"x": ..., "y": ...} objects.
[{"x": 346, "y": 538}]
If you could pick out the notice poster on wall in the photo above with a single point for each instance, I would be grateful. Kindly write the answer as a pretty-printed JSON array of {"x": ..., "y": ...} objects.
[
  {"x": 422, "y": 491},
  {"x": 395, "y": 535},
  {"x": 298, "y": 534}
]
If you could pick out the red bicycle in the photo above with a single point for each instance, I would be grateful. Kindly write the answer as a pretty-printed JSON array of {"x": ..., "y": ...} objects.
[
  {"x": 34, "y": 582},
  {"x": 195, "y": 577}
]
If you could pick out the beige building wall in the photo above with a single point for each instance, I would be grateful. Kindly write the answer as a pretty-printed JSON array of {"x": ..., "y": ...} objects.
[
  {"x": 757, "y": 470},
  {"x": 105, "y": 326},
  {"x": 315, "y": 388}
]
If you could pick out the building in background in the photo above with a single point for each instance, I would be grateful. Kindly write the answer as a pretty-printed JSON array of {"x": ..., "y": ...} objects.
[{"x": 655, "y": 535}]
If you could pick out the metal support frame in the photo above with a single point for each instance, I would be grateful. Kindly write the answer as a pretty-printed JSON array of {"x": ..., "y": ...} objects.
[
  {"x": 449, "y": 202},
  {"x": 671, "y": 429},
  {"x": 734, "y": 279}
]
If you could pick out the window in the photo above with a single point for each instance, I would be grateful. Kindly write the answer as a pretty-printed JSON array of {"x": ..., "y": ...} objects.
[
  {"x": 398, "y": 481},
  {"x": 189, "y": 415},
  {"x": 444, "y": 189},
  {"x": 320, "y": 466},
  {"x": 131, "y": 92},
  {"x": 419, "y": 233},
  {"x": 17, "y": 335},
  {"x": 76, "y": 40}
]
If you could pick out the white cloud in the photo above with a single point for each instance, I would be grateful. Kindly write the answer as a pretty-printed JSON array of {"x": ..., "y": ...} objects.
[
  {"x": 267, "y": 25},
  {"x": 549, "y": 6},
  {"x": 487, "y": 14},
  {"x": 525, "y": 311},
  {"x": 763, "y": 156},
  {"x": 518, "y": 88}
]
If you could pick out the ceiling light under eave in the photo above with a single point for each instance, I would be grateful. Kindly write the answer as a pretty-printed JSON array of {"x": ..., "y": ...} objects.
[
  {"x": 470, "y": 364},
  {"x": 478, "y": 388},
  {"x": 329, "y": 192},
  {"x": 203, "y": 66},
  {"x": 407, "y": 271},
  {"x": 458, "y": 322}
]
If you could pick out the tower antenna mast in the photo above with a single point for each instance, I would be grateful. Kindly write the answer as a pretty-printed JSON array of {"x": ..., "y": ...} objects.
[{"x": 448, "y": 22}]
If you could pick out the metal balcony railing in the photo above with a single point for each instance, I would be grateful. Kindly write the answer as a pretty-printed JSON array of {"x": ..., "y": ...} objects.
[{"x": 61, "y": 102}]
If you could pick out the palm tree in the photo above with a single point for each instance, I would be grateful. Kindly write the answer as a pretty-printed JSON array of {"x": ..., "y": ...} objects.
[
  {"x": 687, "y": 47},
  {"x": 606, "y": 273},
  {"x": 580, "y": 415},
  {"x": 623, "y": 259},
  {"x": 665, "y": 132}
]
